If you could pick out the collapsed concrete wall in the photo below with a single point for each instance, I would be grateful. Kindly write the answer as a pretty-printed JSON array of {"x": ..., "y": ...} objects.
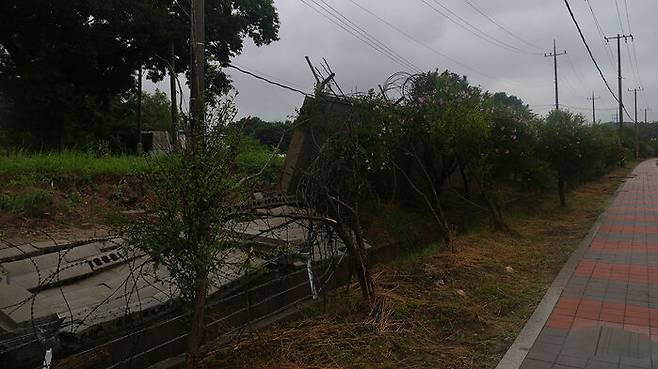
[{"x": 319, "y": 118}]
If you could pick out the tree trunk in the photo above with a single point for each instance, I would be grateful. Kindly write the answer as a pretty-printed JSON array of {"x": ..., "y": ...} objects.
[
  {"x": 560, "y": 189},
  {"x": 140, "y": 148},
  {"x": 359, "y": 263},
  {"x": 195, "y": 337},
  {"x": 462, "y": 171},
  {"x": 172, "y": 87}
]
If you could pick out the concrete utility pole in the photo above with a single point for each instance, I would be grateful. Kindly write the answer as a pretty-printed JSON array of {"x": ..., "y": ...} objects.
[
  {"x": 554, "y": 55},
  {"x": 619, "y": 77},
  {"x": 198, "y": 72},
  {"x": 637, "y": 129},
  {"x": 172, "y": 87},
  {"x": 594, "y": 98},
  {"x": 140, "y": 148}
]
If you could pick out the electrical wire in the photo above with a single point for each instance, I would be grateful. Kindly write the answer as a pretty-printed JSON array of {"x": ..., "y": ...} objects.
[
  {"x": 412, "y": 38},
  {"x": 505, "y": 29},
  {"x": 621, "y": 24},
  {"x": 239, "y": 69},
  {"x": 354, "y": 32},
  {"x": 634, "y": 54},
  {"x": 349, "y": 26},
  {"x": 474, "y": 30},
  {"x": 364, "y": 31},
  {"x": 575, "y": 72},
  {"x": 606, "y": 46},
  {"x": 589, "y": 50}
]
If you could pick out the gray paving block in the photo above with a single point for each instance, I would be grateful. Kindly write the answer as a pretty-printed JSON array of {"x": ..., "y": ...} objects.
[
  {"x": 572, "y": 361},
  {"x": 535, "y": 364}
]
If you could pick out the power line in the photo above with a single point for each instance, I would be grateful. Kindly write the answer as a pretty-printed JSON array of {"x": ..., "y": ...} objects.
[
  {"x": 635, "y": 59},
  {"x": 269, "y": 81},
  {"x": 370, "y": 36},
  {"x": 412, "y": 38},
  {"x": 606, "y": 46},
  {"x": 364, "y": 37},
  {"x": 589, "y": 51},
  {"x": 365, "y": 32},
  {"x": 357, "y": 34},
  {"x": 575, "y": 72},
  {"x": 505, "y": 29},
  {"x": 474, "y": 30},
  {"x": 621, "y": 24}
]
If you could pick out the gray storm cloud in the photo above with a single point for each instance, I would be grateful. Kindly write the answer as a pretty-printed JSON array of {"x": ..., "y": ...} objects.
[{"x": 493, "y": 67}]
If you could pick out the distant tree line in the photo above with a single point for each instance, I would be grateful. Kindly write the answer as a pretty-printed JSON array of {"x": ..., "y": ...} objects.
[{"x": 270, "y": 134}]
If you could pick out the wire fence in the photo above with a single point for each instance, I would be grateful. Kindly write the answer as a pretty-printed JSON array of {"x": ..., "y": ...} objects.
[{"x": 99, "y": 303}]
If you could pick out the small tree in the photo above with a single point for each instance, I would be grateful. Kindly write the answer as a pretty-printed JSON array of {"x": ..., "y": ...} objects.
[
  {"x": 187, "y": 210},
  {"x": 562, "y": 144},
  {"x": 335, "y": 184}
]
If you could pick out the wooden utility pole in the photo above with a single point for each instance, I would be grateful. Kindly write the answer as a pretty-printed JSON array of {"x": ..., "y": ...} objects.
[
  {"x": 197, "y": 145},
  {"x": 593, "y": 98},
  {"x": 140, "y": 148},
  {"x": 554, "y": 55},
  {"x": 637, "y": 129},
  {"x": 620, "y": 95},
  {"x": 197, "y": 72},
  {"x": 172, "y": 87}
]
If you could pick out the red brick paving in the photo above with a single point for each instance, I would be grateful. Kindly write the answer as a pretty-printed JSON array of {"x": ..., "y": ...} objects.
[{"x": 607, "y": 315}]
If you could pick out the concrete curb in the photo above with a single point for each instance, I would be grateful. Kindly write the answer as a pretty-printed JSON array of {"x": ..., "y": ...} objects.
[{"x": 517, "y": 352}]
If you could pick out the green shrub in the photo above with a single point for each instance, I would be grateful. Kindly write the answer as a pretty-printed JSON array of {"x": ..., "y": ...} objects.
[
  {"x": 254, "y": 157},
  {"x": 34, "y": 202}
]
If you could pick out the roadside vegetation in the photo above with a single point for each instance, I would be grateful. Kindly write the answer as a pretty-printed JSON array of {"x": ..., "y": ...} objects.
[
  {"x": 93, "y": 189},
  {"x": 436, "y": 308}
]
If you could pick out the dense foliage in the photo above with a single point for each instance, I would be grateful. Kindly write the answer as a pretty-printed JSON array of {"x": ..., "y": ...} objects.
[
  {"x": 271, "y": 134},
  {"x": 447, "y": 135},
  {"x": 62, "y": 63}
]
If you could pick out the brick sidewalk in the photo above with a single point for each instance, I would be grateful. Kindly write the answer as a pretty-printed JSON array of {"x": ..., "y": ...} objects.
[{"x": 607, "y": 315}]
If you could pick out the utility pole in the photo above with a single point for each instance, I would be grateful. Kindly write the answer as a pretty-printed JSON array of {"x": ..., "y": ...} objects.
[
  {"x": 637, "y": 129},
  {"x": 619, "y": 77},
  {"x": 198, "y": 73},
  {"x": 645, "y": 115},
  {"x": 197, "y": 146},
  {"x": 140, "y": 148},
  {"x": 172, "y": 87},
  {"x": 594, "y": 98},
  {"x": 554, "y": 55}
]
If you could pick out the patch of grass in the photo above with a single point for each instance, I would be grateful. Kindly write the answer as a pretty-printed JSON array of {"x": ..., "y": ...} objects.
[
  {"x": 410, "y": 258},
  {"x": 436, "y": 308},
  {"x": 34, "y": 202},
  {"x": 25, "y": 165}
]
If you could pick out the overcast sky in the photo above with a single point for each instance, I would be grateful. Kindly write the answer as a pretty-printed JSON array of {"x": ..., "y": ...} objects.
[{"x": 498, "y": 59}]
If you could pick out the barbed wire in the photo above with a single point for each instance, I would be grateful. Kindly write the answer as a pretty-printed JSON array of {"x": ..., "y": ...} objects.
[{"x": 135, "y": 283}]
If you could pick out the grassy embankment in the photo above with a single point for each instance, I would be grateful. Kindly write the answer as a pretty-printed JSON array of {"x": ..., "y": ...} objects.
[
  {"x": 71, "y": 188},
  {"x": 436, "y": 309}
]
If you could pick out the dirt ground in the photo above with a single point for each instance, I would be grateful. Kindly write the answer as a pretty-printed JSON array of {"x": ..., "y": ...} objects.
[{"x": 435, "y": 308}]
